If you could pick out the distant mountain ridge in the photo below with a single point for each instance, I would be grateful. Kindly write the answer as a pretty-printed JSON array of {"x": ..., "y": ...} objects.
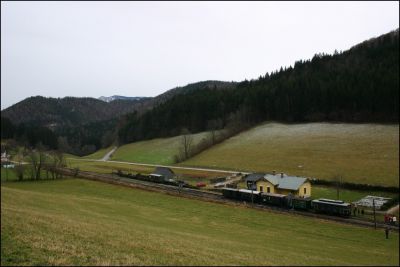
[
  {"x": 73, "y": 111},
  {"x": 119, "y": 97},
  {"x": 67, "y": 111}
]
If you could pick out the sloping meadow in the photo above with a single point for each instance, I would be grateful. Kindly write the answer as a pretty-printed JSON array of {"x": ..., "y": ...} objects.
[
  {"x": 80, "y": 222},
  {"x": 360, "y": 153}
]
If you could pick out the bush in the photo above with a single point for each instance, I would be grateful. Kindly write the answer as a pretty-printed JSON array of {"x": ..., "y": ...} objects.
[
  {"x": 19, "y": 171},
  {"x": 76, "y": 171}
]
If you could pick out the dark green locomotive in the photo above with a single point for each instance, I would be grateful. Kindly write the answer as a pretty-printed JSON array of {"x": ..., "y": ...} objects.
[
  {"x": 231, "y": 193},
  {"x": 332, "y": 207},
  {"x": 274, "y": 200},
  {"x": 301, "y": 203}
]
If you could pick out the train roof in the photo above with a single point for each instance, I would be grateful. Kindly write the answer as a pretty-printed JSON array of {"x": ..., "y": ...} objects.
[
  {"x": 249, "y": 191},
  {"x": 273, "y": 195},
  {"x": 331, "y": 202},
  {"x": 302, "y": 198},
  {"x": 155, "y": 174},
  {"x": 229, "y": 189}
]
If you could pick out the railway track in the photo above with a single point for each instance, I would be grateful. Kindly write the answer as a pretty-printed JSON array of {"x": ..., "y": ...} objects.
[{"x": 209, "y": 196}]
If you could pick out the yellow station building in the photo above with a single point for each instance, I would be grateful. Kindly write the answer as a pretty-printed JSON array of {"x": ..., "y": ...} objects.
[{"x": 279, "y": 184}]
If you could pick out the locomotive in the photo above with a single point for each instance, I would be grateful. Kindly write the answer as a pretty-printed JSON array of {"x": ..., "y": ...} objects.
[{"x": 322, "y": 205}]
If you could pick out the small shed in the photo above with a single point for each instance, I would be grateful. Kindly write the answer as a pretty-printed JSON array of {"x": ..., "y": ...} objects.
[
  {"x": 252, "y": 179},
  {"x": 164, "y": 173}
]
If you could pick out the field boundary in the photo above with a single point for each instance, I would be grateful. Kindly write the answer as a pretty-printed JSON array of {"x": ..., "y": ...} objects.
[{"x": 355, "y": 186}]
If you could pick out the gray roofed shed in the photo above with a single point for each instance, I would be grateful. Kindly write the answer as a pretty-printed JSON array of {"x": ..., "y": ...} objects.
[
  {"x": 167, "y": 173},
  {"x": 254, "y": 177}
]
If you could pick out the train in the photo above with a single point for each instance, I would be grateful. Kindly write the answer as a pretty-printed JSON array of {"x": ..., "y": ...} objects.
[
  {"x": 159, "y": 179},
  {"x": 322, "y": 205}
]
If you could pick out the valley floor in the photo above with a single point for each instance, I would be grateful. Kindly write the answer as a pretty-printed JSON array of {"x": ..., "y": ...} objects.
[{"x": 80, "y": 222}]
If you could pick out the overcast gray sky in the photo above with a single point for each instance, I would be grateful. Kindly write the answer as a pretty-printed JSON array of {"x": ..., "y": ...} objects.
[{"x": 91, "y": 49}]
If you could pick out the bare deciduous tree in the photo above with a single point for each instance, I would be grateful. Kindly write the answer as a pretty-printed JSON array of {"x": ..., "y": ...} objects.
[
  {"x": 37, "y": 158},
  {"x": 186, "y": 144},
  {"x": 213, "y": 126},
  {"x": 57, "y": 161},
  {"x": 19, "y": 170}
]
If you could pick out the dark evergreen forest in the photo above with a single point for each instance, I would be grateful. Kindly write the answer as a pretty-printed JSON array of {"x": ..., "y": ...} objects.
[{"x": 358, "y": 85}]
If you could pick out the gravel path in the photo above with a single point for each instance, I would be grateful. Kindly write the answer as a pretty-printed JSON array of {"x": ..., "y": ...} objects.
[{"x": 108, "y": 155}]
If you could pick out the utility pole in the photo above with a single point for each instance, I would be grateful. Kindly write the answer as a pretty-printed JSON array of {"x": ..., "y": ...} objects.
[
  {"x": 338, "y": 182},
  {"x": 337, "y": 189},
  {"x": 252, "y": 201},
  {"x": 373, "y": 203}
]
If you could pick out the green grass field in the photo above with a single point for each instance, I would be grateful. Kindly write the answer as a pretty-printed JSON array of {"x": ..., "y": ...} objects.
[
  {"x": 8, "y": 175},
  {"x": 67, "y": 155},
  {"x": 361, "y": 153},
  {"x": 80, "y": 222},
  {"x": 345, "y": 194},
  {"x": 156, "y": 151}
]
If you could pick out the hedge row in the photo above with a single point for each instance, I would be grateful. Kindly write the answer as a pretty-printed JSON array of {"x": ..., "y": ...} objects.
[{"x": 354, "y": 186}]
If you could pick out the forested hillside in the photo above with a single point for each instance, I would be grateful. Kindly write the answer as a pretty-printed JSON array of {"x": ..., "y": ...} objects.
[
  {"x": 357, "y": 85},
  {"x": 67, "y": 111}
]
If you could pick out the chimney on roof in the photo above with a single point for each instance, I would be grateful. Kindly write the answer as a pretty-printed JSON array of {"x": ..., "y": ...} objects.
[
  {"x": 273, "y": 172},
  {"x": 281, "y": 174}
]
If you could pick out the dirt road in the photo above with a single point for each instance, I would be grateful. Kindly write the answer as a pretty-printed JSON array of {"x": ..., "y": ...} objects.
[{"x": 108, "y": 155}]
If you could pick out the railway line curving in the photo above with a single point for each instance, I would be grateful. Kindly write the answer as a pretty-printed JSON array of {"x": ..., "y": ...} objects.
[{"x": 209, "y": 196}]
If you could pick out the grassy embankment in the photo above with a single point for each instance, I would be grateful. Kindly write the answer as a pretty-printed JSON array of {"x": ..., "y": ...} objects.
[
  {"x": 78, "y": 222},
  {"x": 361, "y": 153}
]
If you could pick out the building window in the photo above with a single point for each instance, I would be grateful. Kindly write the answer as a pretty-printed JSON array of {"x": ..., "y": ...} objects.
[
  {"x": 305, "y": 190},
  {"x": 261, "y": 188},
  {"x": 268, "y": 189}
]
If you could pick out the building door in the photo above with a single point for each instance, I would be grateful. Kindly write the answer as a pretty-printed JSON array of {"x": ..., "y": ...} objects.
[
  {"x": 261, "y": 189},
  {"x": 268, "y": 189}
]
